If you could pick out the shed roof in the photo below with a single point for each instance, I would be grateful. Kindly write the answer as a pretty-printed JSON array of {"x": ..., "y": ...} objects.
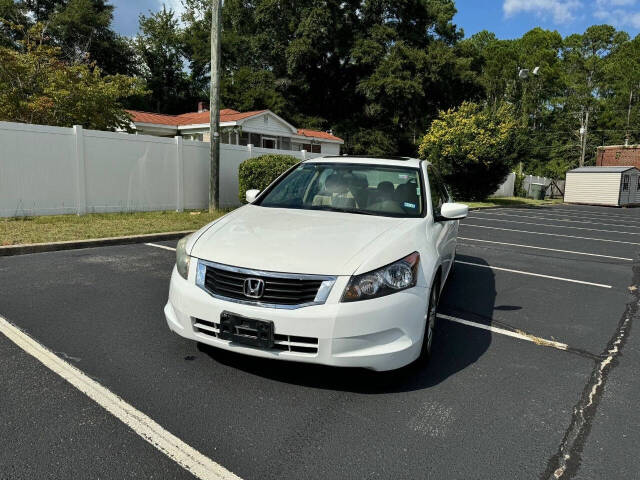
[{"x": 602, "y": 169}]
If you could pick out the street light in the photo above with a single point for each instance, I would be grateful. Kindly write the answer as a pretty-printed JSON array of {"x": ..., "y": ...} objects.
[
  {"x": 523, "y": 73},
  {"x": 583, "y": 144}
]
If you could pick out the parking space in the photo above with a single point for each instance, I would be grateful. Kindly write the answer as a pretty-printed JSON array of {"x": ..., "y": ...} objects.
[{"x": 489, "y": 405}]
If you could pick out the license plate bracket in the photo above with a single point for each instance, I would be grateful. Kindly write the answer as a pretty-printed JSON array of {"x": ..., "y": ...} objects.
[{"x": 246, "y": 331}]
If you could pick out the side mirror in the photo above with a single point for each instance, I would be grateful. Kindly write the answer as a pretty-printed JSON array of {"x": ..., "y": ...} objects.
[
  {"x": 453, "y": 211},
  {"x": 251, "y": 195}
]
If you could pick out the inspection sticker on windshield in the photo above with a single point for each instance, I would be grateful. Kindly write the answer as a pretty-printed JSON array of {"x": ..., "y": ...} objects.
[
  {"x": 409, "y": 205},
  {"x": 403, "y": 176}
]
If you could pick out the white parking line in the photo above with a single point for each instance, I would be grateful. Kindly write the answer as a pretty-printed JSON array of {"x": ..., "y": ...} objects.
[
  {"x": 508, "y": 333},
  {"x": 566, "y": 220},
  {"x": 164, "y": 247},
  {"x": 555, "y": 226},
  {"x": 570, "y": 280},
  {"x": 177, "y": 450},
  {"x": 465, "y": 224},
  {"x": 597, "y": 213},
  {"x": 571, "y": 213},
  {"x": 548, "y": 249}
]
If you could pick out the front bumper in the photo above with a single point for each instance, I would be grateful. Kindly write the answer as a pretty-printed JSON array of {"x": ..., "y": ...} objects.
[{"x": 379, "y": 334}]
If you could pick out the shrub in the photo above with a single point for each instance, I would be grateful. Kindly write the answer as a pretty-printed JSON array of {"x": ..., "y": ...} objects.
[
  {"x": 259, "y": 172},
  {"x": 472, "y": 147}
]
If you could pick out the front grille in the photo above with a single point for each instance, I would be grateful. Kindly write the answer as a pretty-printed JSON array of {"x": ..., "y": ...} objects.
[
  {"x": 287, "y": 343},
  {"x": 278, "y": 290}
]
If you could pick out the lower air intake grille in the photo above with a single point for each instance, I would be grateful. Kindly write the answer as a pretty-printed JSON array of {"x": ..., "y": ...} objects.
[{"x": 287, "y": 343}]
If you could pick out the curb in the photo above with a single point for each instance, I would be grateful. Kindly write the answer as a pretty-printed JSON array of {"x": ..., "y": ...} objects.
[
  {"x": 25, "y": 249},
  {"x": 532, "y": 207}
]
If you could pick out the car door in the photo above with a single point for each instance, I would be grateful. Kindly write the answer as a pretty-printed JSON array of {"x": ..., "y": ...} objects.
[{"x": 446, "y": 232}]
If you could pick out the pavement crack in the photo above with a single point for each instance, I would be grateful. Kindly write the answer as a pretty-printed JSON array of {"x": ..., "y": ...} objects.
[
  {"x": 68, "y": 357},
  {"x": 565, "y": 463}
]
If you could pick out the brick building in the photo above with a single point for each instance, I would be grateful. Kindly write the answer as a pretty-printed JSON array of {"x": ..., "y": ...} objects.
[{"x": 618, "y": 156}]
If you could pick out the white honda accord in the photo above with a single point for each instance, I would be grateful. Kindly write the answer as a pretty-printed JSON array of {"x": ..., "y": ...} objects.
[{"x": 340, "y": 261}]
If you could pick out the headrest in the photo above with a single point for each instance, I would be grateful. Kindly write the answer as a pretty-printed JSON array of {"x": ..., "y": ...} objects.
[
  {"x": 386, "y": 188},
  {"x": 335, "y": 184}
]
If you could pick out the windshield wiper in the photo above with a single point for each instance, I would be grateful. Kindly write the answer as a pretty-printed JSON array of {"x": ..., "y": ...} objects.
[{"x": 343, "y": 210}]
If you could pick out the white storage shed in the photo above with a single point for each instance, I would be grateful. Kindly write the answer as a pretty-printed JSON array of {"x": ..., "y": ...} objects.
[{"x": 614, "y": 186}]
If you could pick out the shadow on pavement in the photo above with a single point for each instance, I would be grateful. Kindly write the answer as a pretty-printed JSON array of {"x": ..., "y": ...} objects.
[{"x": 469, "y": 289}]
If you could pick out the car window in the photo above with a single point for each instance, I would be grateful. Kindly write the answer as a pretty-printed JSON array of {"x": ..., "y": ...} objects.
[
  {"x": 353, "y": 188},
  {"x": 439, "y": 193}
]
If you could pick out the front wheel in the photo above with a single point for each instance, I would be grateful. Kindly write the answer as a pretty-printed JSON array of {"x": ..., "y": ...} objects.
[{"x": 430, "y": 327}]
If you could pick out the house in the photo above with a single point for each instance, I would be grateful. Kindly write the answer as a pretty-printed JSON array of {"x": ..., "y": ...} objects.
[
  {"x": 261, "y": 128},
  {"x": 618, "y": 156},
  {"x": 614, "y": 186}
]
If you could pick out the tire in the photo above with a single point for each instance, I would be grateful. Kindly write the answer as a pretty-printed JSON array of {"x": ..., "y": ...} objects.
[{"x": 430, "y": 327}]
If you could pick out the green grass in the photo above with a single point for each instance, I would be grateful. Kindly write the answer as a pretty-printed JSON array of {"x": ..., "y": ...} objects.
[
  {"x": 14, "y": 231},
  {"x": 512, "y": 202},
  {"x": 58, "y": 228}
]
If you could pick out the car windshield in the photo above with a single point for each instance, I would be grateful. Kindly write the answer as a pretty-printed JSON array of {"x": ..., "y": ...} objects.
[{"x": 359, "y": 189}]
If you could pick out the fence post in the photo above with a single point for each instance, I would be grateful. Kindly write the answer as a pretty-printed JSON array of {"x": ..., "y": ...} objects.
[
  {"x": 180, "y": 174},
  {"x": 303, "y": 154},
  {"x": 250, "y": 149},
  {"x": 81, "y": 175}
]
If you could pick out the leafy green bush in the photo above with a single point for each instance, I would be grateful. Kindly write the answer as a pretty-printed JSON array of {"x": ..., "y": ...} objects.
[
  {"x": 259, "y": 172},
  {"x": 472, "y": 148}
]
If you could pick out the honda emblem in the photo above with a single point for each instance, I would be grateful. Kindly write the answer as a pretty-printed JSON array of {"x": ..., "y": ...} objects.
[{"x": 253, "y": 288}]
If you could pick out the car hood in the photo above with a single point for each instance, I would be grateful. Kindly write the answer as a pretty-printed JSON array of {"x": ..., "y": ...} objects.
[{"x": 293, "y": 241}]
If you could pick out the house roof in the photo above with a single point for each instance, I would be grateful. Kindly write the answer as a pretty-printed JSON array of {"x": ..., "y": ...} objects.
[
  {"x": 226, "y": 115},
  {"x": 602, "y": 169},
  {"x": 304, "y": 132},
  {"x": 619, "y": 147},
  {"x": 193, "y": 118}
]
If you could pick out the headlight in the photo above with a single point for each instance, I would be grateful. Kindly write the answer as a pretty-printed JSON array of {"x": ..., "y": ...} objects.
[
  {"x": 182, "y": 259},
  {"x": 393, "y": 278}
]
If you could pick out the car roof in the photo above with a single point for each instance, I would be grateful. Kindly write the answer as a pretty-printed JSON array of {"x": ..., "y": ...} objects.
[{"x": 369, "y": 160}]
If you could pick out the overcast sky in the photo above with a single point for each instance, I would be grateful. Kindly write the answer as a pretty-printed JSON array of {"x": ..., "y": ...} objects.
[{"x": 507, "y": 18}]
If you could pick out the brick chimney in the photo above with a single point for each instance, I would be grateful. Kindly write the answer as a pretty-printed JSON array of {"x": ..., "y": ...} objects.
[{"x": 201, "y": 107}]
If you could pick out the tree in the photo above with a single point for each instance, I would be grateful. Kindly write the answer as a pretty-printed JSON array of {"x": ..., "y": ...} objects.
[
  {"x": 40, "y": 10},
  {"x": 585, "y": 57},
  {"x": 82, "y": 30},
  {"x": 374, "y": 72},
  {"x": 37, "y": 86},
  {"x": 471, "y": 147},
  {"x": 13, "y": 19},
  {"x": 248, "y": 90},
  {"x": 159, "y": 47},
  {"x": 498, "y": 60},
  {"x": 620, "y": 106}
]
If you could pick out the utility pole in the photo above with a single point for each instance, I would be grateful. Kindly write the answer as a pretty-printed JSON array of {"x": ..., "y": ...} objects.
[
  {"x": 583, "y": 137},
  {"x": 214, "y": 105}
]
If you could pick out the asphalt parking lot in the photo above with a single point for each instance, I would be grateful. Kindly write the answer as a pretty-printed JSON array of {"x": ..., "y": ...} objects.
[{"x": 534, "y": 372}]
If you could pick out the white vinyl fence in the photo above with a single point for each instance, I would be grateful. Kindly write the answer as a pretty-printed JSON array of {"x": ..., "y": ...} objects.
[
  {"x": 52, "y": 170},
  {"x": 531, "y": 185},
  {"x": 507, "y": 188}
]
